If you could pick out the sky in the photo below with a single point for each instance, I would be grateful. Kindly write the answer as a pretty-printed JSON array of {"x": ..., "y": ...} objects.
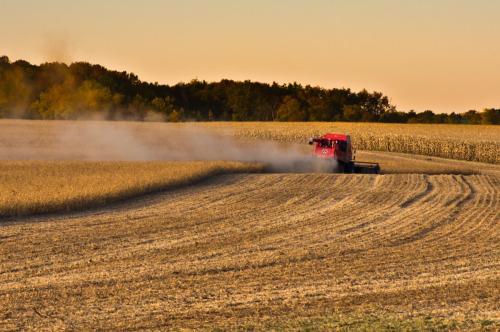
[{"x": 442, "y": 55}]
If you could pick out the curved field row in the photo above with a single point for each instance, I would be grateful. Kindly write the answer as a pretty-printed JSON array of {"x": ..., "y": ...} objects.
[
  {"x": 261, "y": 250},
  {"x": 34, "y": 187}
]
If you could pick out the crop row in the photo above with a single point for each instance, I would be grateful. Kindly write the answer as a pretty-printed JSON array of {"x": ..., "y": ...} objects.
[{"x": 454, "y": 142}]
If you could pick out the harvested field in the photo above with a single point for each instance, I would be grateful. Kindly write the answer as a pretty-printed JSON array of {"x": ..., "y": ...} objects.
[
  {"x": 29, "y": 187},
  {"x": 397, "y": 163},
  {"x": 416, "y": 248},
  {"x": 34, "y": 187},
  {"x": 263, "y": 251}
]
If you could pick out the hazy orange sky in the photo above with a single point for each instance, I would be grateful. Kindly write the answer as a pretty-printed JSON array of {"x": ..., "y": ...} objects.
[{"x": 442, "y": 55}]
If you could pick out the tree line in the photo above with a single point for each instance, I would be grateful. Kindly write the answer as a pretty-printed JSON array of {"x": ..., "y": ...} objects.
[{"x": 87, "y": 91}]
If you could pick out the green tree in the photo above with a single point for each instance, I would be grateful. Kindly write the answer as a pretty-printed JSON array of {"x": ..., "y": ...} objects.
[
  {"x": 55, "y": 103},
  {"x": 163, "y": 105},
  {"x": 176, "y": 116},
  {"x": 352, "y": 113},
  {"x": 291, "y": 110},
  {"x": 91, "y": 98},
  {"x": 58, "y": 91},
  {"x": 15, "y": 92},
  {"x": 490, "y": 116},
  {"x": 319, "y": 108},
  {"x": 472, "y": 117}
]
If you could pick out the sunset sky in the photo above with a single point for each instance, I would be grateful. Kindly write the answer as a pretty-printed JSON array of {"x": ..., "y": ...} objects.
[{"x": 442, "y": 55}]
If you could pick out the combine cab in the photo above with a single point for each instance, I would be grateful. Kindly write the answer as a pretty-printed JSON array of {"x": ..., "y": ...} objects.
[{"x": 337, "y": 150}]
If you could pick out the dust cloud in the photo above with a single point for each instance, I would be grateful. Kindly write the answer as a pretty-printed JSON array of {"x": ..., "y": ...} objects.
[
  {"x": 136, "y": 141},
  {"x": 57, "y": 47}
]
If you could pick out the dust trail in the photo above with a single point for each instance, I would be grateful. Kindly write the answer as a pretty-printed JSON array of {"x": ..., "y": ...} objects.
[{"x": 129, "y": 141}]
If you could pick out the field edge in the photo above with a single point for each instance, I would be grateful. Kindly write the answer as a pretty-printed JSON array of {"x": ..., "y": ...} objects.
[{"x": 77, "y": 204}]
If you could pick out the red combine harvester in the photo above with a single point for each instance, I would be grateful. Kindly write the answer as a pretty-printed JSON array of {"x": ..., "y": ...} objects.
[{"x": 337, "y": 150}]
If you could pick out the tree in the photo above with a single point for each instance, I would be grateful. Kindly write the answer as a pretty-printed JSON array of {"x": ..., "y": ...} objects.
[
  {"x": 137, "y": 108},
  {"x": 393, "y": 116},
  {"x": 454, "y": 118},
  {"x": 319, "y": 108},
  {"x": 491, "y": 116},
  {"x": 163, "y": 105},
  {"x": 374, "y": 104},
  {"x": 176, "y": 116},
  {"x": 55, "y": 103},
  {"x": 15, "y": 92},
  {"x": 426, "y": 116},
  {"x": 472, "y": 117},
  {"x": 291, "y": 110},
  {"x": 60, "y": 91},
  {"x": 352, "y": 113}
]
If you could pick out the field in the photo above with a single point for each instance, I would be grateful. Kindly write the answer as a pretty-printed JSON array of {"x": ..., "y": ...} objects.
[
  {"x": 473, "y": 143},
  {"x": 262, "y": 250},
  {"x": 29, "y": 187},
  {"x": 24, "y": 139},
  {"x": 416, "y": 248}
]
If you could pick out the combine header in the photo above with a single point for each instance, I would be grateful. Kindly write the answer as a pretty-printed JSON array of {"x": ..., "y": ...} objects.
[{"x": 337, "y": 150}]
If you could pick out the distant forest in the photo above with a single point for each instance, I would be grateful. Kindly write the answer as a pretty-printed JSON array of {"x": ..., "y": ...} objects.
[{"x": 85, "y": 91}]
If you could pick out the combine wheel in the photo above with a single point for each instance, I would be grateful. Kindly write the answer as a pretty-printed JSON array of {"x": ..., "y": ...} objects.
[
  {"x": 349, "y": 167},
  {"x": 345, "y": 167},
  {"x": 340, "y": 168}
]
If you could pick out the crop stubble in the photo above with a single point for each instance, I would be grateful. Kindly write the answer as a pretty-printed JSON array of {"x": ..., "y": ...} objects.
[
  {"x": 266, "y": 250},
  {"x": 259, "y": 250},
  {"x": 34, "y": 187}
]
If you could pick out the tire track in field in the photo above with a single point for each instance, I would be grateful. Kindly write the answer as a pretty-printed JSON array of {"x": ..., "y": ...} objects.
[
  {"x": 449, "y": 210},
  {"x": 424, "y": 212},
  {"x": 466, "y": 214},
  {"x": 472, "y": 215},
  {"x": 414, "y": 199}
]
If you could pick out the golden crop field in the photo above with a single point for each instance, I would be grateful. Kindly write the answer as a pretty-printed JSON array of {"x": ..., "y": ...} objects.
[
  {"x": 465, "y": 142},
  {"x": 415, "y": 248},
  {"x": 262, "y": 251},
  {"x": 28, "y": 187},
  {"x": 24, "y": 139}
]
